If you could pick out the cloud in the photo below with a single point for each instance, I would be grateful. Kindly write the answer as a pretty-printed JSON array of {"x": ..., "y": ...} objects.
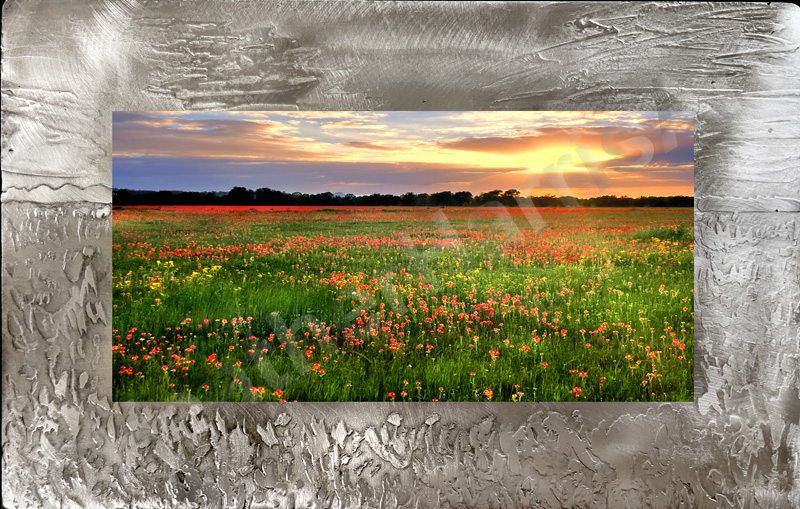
[
  {"x": 349, "y": 124},
  {"x": 676, "y": 164},
  {"x": 646, "y": 141},
  {"x": 136, "y": 134},
  {"x": 401, "y": 151},
  {"x": 370, "y": 145},
  {"x": 311, "y": 115},
  {"x": 506, "y": 144}
]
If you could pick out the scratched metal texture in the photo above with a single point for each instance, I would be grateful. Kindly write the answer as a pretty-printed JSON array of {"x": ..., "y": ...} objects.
[{"x": 67, "y": 65}]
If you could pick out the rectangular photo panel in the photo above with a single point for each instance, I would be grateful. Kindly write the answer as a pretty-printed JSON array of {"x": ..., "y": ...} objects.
[{"x": 403, "y": 256}]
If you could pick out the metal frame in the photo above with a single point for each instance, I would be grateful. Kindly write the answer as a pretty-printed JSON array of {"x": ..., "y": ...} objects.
[{"x": 68, "y": 65}]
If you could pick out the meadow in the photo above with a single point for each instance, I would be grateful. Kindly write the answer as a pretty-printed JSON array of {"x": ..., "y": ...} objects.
[{"x": 402, "y": 304}]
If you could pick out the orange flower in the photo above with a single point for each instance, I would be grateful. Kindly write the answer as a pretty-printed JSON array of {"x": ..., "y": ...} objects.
[
  {"x": 576, "y": 391},
  {"x": 489, "y": 394},
  {"x": 391, "y": 396}
]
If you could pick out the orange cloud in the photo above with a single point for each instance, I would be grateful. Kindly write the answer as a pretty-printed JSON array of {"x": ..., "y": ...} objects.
[{"x": 370, "y": 145}]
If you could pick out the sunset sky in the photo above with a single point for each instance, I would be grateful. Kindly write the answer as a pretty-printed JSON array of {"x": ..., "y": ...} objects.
[{"x": 581, "y": 154}]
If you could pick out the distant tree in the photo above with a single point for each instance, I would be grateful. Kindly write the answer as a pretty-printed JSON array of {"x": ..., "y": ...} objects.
[
  {"x": 240, "y": 196},
  {"x": 321, "y": 199},
  {"x": 442, "y": 199},
  {"x": 547, "y": 200},
  {"x": 462, "y": 198},
  {"x": 121, "y": 197},
  {"x": 161, "y": 198},
  {"x": 299, "y": 198},
  {"x": 267, "y": 196},
  {"x": 488, "y": 197},
  {"x": 509, "y": 198}
]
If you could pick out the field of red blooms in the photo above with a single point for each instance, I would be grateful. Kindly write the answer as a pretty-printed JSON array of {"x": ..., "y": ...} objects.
[{"x": 402, "y": 304}]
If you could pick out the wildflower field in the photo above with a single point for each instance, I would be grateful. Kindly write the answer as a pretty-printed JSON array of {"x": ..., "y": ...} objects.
[{"x": 402, "y": 304}]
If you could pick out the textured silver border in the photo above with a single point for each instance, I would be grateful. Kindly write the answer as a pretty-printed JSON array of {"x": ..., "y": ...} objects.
[{"x": 68, "y": 65}]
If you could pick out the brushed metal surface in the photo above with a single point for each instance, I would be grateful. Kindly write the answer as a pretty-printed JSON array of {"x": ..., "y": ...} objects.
[{"x": 68, "y": 65}]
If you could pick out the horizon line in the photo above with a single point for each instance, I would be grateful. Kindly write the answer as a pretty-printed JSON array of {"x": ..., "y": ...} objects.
[{"x": 342, "y": 194}]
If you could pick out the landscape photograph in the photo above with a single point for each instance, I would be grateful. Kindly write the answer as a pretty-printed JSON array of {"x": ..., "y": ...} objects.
[{"x": 407, "y": 256}]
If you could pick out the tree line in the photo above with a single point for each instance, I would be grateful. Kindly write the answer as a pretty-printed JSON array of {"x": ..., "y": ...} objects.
[{"x": 265, "y": 196}]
